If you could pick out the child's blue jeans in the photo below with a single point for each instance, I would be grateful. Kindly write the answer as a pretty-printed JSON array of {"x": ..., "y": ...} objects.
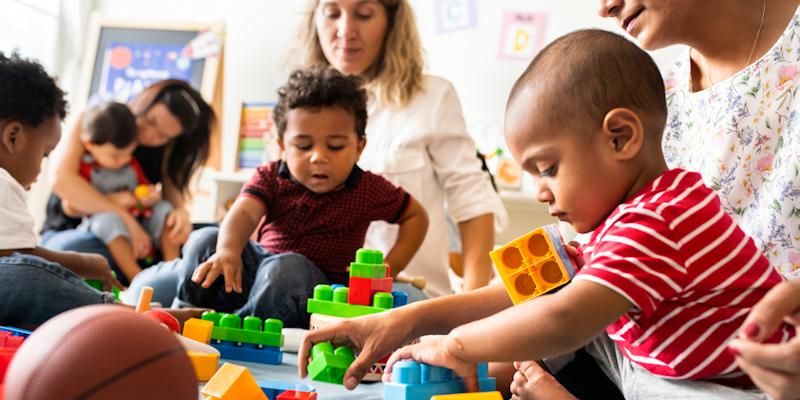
[
  {"x": 33, "y": 290},
  {"x": 274, "y": 285}
]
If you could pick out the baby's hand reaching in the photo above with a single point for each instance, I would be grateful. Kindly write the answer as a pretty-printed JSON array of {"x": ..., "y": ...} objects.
[
  {"x": 434, "y": 351},
  {"x": 531, "y": 381},
  {"x": 573, "y": 249},
  {"x": 229, "y": 266}
]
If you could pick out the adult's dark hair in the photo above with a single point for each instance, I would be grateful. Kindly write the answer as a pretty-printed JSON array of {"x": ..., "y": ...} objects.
[
  {"x": 189, "y": 151},
  {"x": 585, "y": 74},
  {"x": 317, "y": 87},
  {"x": 27, "y": 93},
  {"x": 109, "y": 123}
]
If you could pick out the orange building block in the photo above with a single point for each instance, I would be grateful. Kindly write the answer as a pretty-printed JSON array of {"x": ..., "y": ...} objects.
[
  {"x": 205, "y": 364},
  {"x": 198, "y": 329},
  {"x": 470, "y": 396},
  {"x": 232, "y": 382},
  {"x": 533, "y": 264}
]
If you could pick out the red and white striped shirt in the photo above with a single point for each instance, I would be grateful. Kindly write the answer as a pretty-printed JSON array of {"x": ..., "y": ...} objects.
[{"x": 689, "y": 270}]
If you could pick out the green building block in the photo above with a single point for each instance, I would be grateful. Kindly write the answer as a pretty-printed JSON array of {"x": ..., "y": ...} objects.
[
  {"x": 231, "y": 328},
  {"x": 368, "y": 264},
  {"x": 98, "y": 284},
  {"x": 329, "y": 365},
  {"x": 334, "y": 303},
  {"x": 369, "y": 256}
]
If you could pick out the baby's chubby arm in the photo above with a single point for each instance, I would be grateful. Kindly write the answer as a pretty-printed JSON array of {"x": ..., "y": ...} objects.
[
  {"x": 237, "y": 226},
  {"x": 543, "y": 327},
  {"x": 413, "y": 225}
]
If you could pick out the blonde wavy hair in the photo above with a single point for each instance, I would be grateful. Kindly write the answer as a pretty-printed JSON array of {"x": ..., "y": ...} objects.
[{"x": 396, "y": 74}]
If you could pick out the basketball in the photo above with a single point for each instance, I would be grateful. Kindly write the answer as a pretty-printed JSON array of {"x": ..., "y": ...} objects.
[{"x": 101, "y": 352}]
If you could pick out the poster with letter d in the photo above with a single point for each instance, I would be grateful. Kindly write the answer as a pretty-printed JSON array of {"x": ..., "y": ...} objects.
[{"x": 522, "y": 35}]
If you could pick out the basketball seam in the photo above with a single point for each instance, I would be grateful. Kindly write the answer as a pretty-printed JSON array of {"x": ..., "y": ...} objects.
[{"x": 127, "y": 370}]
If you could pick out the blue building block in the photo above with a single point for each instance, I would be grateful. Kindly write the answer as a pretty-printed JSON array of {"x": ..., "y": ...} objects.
[
  {"x": 273, "y": 388},
  {"x": 15, "y": 331},
  {"x": 249, "y": 352},
  {"x": 416, "y": 381},
  {"x": 400, "y": 298}
]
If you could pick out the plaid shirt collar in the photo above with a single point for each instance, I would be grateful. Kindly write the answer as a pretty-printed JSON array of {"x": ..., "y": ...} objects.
[{"x": 351, "y": 181}]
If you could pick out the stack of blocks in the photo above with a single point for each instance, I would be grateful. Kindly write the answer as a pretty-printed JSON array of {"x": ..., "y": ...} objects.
[
  {"x": 329, "y": 364},
  {"x": 416, "y": 381},
  {"x": 534, "y": 264},
  {"x": 204, "y": 364},
  {"x": 249, "y": 340},
  {"x": 10, "y": 340},
  {"x": 370, "y": 292}
]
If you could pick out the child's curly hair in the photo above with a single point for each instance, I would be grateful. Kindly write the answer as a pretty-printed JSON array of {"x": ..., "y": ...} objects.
[
  {"x": 322, "y": 87},
  {"x": 27, "y": 93}
]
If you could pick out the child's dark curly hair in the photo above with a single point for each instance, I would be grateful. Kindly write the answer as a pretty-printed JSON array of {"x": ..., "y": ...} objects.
[
  {"x": 27, "y": 93},
  {"x": 321, "y": 87}
]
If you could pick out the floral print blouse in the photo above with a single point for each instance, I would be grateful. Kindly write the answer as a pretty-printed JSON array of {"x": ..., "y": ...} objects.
[{"x": 743, "y": 136}]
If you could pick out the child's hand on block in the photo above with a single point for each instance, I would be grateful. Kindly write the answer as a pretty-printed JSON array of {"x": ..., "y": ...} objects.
[
  {"x": 435, "y": 351},
  {"x": 574, "y": 250},
  {"x": 95, "y": 266},
  {"x": 221, "y": 263},
  {"x": 531, "y": 381}
]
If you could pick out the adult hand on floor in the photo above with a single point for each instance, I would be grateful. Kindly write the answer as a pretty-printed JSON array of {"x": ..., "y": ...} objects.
[{"x": 775, "y": 368}]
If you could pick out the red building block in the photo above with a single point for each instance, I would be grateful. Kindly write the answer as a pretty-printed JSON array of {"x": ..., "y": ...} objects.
[
  {"x": 362, "y": 289},
  {"x": 296, "y": 395}
]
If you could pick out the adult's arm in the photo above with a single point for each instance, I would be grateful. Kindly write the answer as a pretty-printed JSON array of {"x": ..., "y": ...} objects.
[
  {"x": 81, "y": 195},
  {"x": 178, "y": 223},
  {"x": 477, "y": 237}
]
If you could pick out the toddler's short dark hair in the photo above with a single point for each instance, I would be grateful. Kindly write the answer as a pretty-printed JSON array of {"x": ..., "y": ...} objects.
[
  {"x": 322, "y": 87},
  {"x": 109, "y": 123},
  {"x": 27, "y": 93}
]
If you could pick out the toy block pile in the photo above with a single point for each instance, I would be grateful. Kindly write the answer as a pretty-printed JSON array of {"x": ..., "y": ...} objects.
[
  {"x": 10, "y": 340},
  {"x": 534, "y": 264},
  {"x": 251, "y": 339},
  {"x": 329, "y": 364},
  {"x": 416, "y": 381}
]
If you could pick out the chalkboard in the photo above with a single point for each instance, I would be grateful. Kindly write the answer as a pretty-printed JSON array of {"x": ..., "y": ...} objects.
[{"x": 122, "y": 58}]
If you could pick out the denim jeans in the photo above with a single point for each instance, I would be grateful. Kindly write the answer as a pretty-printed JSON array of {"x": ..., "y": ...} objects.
[{"x": 33, "y": 290}]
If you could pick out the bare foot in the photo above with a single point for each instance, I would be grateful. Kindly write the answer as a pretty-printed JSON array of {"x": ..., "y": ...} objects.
[{"x": 533, "y": 382}]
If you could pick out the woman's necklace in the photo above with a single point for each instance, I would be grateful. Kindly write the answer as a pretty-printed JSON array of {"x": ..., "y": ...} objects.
[{"x": 752, "y": 50}]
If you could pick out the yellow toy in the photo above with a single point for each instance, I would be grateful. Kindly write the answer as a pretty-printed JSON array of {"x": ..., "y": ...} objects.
[
  {"x": 469, "y": 396},
  {"x": 232, "y": 382},
  {"x": 141, "y": 191},
  {"x": 534, "y": 263},
  {"x": 205, "y": 364},
  {"x": 198, "y": 329}
]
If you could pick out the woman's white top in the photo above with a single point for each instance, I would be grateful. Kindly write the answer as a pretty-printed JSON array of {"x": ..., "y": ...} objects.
[{"x": 424, "y": 147}]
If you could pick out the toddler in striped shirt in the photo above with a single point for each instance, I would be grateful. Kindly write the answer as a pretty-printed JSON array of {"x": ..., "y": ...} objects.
[{"x": 667, "y": 273}]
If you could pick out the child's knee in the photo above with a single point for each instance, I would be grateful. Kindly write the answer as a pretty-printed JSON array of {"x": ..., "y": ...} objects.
[{"x": 108, "y": 226}]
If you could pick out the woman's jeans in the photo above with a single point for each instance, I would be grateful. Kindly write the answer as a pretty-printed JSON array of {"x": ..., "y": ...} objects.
[{"x": 33, "y": 290}]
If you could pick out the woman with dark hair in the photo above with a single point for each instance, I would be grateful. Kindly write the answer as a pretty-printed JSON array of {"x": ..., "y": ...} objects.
[{"x": 173, "y": 134}]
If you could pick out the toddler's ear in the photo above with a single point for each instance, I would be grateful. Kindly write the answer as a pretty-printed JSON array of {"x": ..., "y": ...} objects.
[
  {"x": 625, "y": 132},
  {"x": 11, "y": 136}
]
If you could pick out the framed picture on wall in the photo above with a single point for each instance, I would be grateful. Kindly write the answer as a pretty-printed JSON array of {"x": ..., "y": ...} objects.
[{"x": 122, "y": 57}]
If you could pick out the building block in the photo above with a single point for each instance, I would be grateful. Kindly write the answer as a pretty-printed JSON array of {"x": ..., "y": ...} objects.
[
  {"x": 470, "y": 396},
  {"x": 249, "y": 353},
  {"x": 295, "y": 395},
  {"x": 375, "y": 370},
  {"x": 362, "y": 289},
  {"x": 205, "y": 364},
  {"x": 334, "y": 302},
  {"x": 369, "y": 264},
  {"x": 414, "y": 381},
  {"x": 329, "y": 365},
  {"x": 232, "y": 382},
  {"x": 231, "y": 328},
  {"x": 400, "y": 298},
  {"x": 273, "y": 389},
  {"x": 16, "y": 331},
  {"x": 10, "y": 341},
  {"x": 533, "y": 264},
  {"x": 198, "y": 329},
  {"x": 98, "y": 284}
]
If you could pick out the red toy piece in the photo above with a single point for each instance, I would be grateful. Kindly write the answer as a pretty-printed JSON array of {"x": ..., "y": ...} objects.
[
  {"x": 297, "y": 395},
  {"x": 165, "y": 318},
  {"x": 362, "y": 289}
]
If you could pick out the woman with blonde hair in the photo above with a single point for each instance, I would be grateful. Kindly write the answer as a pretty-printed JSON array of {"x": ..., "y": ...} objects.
[{"x": 416, "y": 135}]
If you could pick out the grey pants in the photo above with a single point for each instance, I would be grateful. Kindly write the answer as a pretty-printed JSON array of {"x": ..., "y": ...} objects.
[
  {"x": 637, "y": 383},
  {"x": 108, "y": 226}
]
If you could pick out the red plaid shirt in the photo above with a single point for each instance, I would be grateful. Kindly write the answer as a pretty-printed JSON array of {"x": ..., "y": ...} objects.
[{"x": 327, "y": 228}]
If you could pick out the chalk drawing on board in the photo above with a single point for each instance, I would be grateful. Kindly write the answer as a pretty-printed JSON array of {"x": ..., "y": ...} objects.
[
  {"x": 522, "y": 35},
  {"x": 454, "y": 15}
]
